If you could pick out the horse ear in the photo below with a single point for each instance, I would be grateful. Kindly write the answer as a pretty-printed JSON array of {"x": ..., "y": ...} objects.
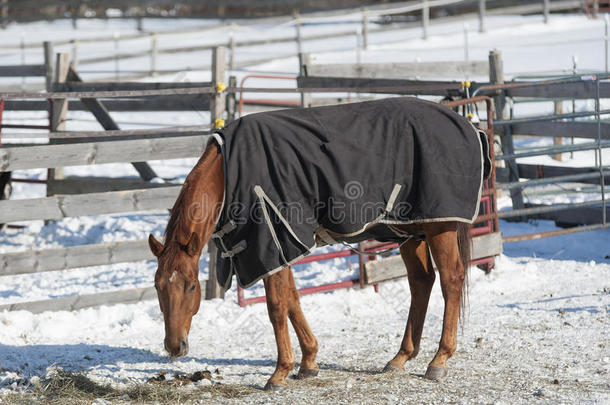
[
  {"x": 156, "y": 247},
  {"x": 192, "y": 246}
]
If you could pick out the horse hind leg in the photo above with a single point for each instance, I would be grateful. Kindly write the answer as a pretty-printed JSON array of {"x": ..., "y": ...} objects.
[
  {"x": 307, "y": 340},
  {"x": 421, "y": 279},
  {"x": 443, "y": 240}
]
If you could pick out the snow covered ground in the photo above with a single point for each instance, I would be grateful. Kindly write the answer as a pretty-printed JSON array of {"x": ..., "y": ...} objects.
[{"x": 538, "y": 325}]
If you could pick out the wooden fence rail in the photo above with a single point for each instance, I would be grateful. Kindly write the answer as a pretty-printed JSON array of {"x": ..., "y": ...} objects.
[
  {"x": 64, "y": 206},
  {"x": 34, "y": 157},
  {"x": 568, "y": 91},
  {"x": 193, "y": 102},
  {"x": 313, "y": 84},
  {"x": 574, "y": 129},
  {"x": 76, "y": 86},
  {"x": 35, "y": 261},
  {"x": 75, "y": 302},
  {"x": 23, "y": 71},
  {"x": 400, "y": 70},
  {"x": 114, "y": 134}
]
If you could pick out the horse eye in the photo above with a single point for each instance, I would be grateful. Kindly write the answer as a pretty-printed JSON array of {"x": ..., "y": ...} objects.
[
  {"x": 156, "y": 286},
  {"x": 192, "y": 288}
]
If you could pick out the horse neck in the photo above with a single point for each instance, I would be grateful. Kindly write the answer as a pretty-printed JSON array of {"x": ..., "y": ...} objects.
[{"x": 198, "y": 206}]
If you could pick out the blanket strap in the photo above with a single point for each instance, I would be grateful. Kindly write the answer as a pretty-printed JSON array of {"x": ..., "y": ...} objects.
[
  {"x": 325, "y": 236},
  {"x": 393, "y": 196},
  {"x": 264, "y": 199},
  {"x": 226, "y": 228},
  {"x": 242, "y": 245}
]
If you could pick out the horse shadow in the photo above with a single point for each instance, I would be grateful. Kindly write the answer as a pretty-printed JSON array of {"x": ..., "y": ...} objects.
[
  {"x": 563, "y": 304},
  {"x": 579, "y": 247},
  {"x": 31, "y": 360}
]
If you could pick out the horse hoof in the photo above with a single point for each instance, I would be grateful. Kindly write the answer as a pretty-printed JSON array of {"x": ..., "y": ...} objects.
[
  {"x": 307, "y": 373},
  {"x": 389, "y": 368},
  {"x": 272, "y": 387},
  {"x": 435, "y": 373}
]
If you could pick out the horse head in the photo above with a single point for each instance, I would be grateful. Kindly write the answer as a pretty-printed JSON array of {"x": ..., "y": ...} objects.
[
  {"x": 190, "y": 226},
  {"x": 178, "y": 289}
]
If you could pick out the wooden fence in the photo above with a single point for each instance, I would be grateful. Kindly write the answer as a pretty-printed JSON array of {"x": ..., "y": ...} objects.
[
  {"x": 90, "y": 150},
  {"x": 422, "y": 10},
  {"x": 593, "y": 87},
  {"x": 79, "y": 197},
  {"x": 84, "y": 148}
]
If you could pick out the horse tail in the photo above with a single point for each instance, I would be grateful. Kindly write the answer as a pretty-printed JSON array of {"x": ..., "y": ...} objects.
[{"x": 464, "y": 239}]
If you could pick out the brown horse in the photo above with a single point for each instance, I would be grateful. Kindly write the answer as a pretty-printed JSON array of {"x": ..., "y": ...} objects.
[{"x": 192, "y": 222}]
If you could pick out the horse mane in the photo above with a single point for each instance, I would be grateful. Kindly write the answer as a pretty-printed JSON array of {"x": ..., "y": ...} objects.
[{"x": 178, "y": 226}]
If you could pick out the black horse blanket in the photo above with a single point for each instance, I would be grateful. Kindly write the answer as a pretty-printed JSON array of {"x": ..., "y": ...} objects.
[{"x": 294, "y": 174}]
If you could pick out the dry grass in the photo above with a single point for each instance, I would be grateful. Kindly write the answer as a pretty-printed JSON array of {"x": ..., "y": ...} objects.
[{"x": 67, "y": 388}]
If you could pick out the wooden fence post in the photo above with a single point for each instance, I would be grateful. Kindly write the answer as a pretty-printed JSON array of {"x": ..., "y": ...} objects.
[
  {"x": 217, "y": 116},
  {"x": 60, "y": 110},
  {"x": 298, "y": 34},
  {"x": 154, "y": 49},
  {"x": 117, "y": 37},
  {"x": 425, "y": 19},
  {"x": 557, "y": 140},
  {"x": 75, "y": 46},
  {"x": 365, "y": 29},
  {"x": 606, "y": 39},
  {"x": 48, "y": 62},
  {"x": 60, "y": 107},
  {"x": 496, "y": 76},
  {"x": 231, "y": 102},
  {"x": 4, "y": 15},
  {"x": 304, "y": 62},
  {"x": 232, "y": 48},
  {"x": 481, "y": 15}
]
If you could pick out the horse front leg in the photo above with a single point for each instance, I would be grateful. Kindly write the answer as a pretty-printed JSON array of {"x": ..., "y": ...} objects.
[
  {"x": 442, "y": 239},
  {"x": 277, "y": 292},
  {"x": 421, "y": 279},
  {"x": 307, "y": 340}
]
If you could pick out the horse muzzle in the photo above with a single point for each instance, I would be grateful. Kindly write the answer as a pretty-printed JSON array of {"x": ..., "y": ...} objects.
[{"x": 179, "y": 348}]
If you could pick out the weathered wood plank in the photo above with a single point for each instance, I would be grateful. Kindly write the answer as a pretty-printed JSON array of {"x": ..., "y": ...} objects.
[
  {"x": 64, "y": 137},
  {"x": 400, "y": 70},
  {"x": 576, "y": 90},
  {"x": 186, "y": 102},
  {"x": 64, "y": 206},
  {"x": 35, "y": 261},
  {"x": 32, "y": 157},
  {"x": 536, "y": 7},
  {"x": 86, "y": 185},
  {"x": 23, "y": 71},
  {"x": 73, "y": 257},
  {"x": 393, "y": 267},
  {"x": 384, "y": 269},
  {"x": 530, "y": 171},
  {"x": 77, "y": 302},
  {"x": 575, "y": 129},
  {"x": 121, "y": 86},
  {"x": 486, "y": 245},
  {"x": 575, "y": 216},
  {"x": 413, "y": 87}
]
